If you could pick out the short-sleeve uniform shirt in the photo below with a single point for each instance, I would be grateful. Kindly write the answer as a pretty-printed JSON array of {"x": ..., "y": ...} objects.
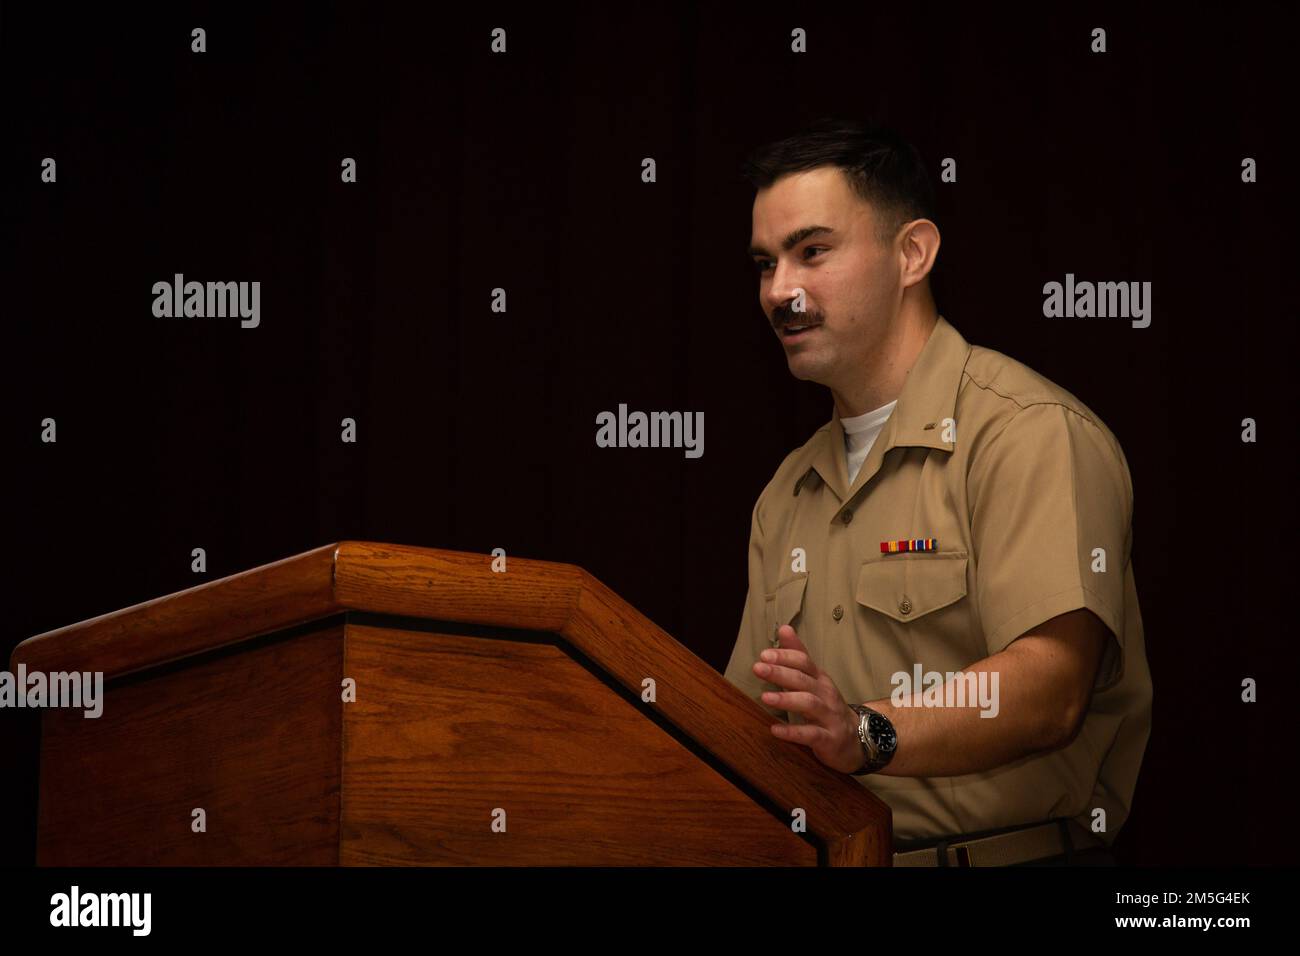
[{"x": 1029, "y": 500}]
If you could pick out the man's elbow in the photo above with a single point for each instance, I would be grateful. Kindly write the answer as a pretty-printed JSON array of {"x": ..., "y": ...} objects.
[
  {"x": 1070, "y": 721},
  {"x": 1064, "y": 654}
]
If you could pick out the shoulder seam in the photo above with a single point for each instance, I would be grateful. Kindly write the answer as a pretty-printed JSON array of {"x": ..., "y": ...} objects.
[
  {"x": 1111, "y": 442},
  {"x": 1024, "y": 408},
  {"x": 1025, "y": 403}
]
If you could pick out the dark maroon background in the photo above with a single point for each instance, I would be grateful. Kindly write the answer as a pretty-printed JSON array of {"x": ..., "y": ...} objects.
[{"x": 477, "y": 430}]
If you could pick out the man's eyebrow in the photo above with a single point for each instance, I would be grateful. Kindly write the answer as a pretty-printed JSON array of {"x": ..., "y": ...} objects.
[{"x": 792, "y": 240}]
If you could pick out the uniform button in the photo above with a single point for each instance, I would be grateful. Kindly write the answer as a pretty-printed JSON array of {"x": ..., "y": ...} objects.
[
  {"x": 838, "y": 612},
  {"x": 905, "y": 606},
  {"x": 846, "y": 515}
]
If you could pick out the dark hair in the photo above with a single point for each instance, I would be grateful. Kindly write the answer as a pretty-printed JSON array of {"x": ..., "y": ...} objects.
[{"x": 881, "y": 167}]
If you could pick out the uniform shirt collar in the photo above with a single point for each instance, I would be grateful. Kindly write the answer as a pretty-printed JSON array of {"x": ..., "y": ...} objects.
[{"x": 929, "y": 396}]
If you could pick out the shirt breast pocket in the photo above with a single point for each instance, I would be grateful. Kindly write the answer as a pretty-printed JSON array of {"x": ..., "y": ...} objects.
[
  {"x": 783, "y": 605},
  {"x": 908, "y": 586}
]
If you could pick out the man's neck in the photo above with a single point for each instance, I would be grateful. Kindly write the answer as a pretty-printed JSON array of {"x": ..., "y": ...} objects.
[{"x": 883, "y": 381}]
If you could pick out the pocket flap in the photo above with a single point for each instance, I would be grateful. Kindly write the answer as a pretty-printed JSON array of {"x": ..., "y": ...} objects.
[{"x": 909, "y": 586}]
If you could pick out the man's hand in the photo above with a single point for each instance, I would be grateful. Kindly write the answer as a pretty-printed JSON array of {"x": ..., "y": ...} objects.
[{"x": 831, "y": 727}]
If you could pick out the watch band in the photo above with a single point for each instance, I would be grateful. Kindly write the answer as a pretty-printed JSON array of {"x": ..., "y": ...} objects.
[{"x": 877, "y": 736}]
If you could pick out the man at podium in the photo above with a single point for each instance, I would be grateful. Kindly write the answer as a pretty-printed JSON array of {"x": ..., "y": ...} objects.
[{"x": 941, "y": 592}]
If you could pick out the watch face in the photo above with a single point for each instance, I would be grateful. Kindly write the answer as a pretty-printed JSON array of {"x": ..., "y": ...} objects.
[{"x": 882, "y": 731}]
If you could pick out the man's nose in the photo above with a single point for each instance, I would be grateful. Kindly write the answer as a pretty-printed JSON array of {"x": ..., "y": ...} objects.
[{"x": 783, "y": 288}]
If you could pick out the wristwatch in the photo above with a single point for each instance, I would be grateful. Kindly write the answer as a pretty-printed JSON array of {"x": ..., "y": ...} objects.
[{"x": 877, "y": 736}]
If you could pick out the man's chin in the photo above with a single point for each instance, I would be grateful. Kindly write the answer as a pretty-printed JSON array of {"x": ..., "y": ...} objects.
[{"x": 803, "y": 369}]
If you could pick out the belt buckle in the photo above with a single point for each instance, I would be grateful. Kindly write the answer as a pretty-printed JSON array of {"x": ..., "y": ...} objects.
[{"x": 961, "y": 849}]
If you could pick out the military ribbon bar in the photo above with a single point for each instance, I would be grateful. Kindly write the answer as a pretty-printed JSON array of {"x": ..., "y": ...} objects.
[{"x": 908, "y": 544}]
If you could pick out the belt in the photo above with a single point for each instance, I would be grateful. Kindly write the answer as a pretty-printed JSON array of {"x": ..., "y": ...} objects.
[{"x": 1053, "y": 838}]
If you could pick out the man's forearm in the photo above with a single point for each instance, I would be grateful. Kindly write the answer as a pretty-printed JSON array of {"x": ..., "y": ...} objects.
[{"x": 1032, "y": 716}]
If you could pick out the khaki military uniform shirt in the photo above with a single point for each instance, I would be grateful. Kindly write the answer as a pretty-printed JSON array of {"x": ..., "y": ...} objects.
[{"x": 1029, "y": 497}]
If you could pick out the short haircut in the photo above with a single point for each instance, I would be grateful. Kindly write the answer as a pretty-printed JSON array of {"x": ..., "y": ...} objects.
[{"x": 881, "y": 167}]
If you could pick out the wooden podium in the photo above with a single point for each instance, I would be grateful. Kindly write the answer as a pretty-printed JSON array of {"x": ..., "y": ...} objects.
[{"x": 498, "y": 719}]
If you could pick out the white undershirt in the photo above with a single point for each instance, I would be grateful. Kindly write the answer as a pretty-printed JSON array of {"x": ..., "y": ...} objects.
[{"x": 860, "y": 434}]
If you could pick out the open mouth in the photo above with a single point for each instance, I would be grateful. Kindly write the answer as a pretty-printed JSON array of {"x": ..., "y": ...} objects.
[{"x": 798, "y": 331}]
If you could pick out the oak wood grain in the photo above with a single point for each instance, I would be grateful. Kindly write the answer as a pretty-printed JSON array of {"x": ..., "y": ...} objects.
[
  {"x": 449, "y": 730},
  {"x": 252, "y": 738},
  {"x": 850, "y": 825}
]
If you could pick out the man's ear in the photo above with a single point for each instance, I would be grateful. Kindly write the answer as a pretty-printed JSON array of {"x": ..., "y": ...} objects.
[{"x": 919, "y": 249}]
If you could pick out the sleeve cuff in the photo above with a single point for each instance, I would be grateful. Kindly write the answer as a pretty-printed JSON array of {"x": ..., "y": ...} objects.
[{"x": 1049, "y": 607}]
